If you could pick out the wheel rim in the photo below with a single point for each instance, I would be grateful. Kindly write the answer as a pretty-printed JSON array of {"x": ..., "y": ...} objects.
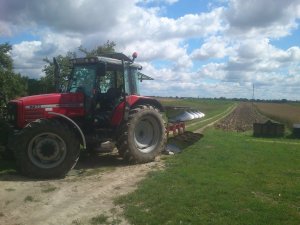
[
  {"x": 147, "y": 134},
  {"x": 47, "y": 150}
]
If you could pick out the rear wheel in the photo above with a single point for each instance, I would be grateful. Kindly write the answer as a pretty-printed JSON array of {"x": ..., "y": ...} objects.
[
  {"x": 46, "y": 149},
  {"x": 143, "y": 136}
]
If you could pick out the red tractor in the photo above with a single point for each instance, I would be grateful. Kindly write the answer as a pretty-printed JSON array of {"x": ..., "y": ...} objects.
[{"x": 101, "y": 104}]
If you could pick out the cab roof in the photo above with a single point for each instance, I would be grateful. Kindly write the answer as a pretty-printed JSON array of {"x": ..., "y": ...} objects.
[{"x": 110, "y": 58}]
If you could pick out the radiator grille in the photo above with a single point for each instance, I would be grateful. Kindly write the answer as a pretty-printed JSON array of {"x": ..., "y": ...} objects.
[{"x": 12, "y": 113}]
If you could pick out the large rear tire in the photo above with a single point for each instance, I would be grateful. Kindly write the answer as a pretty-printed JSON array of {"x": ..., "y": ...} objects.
[
  {"x": 46, "y": 148},
  {"x": 143, "y": 136}
]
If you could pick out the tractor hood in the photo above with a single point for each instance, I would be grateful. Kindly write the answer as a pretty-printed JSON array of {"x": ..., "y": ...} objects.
[
  {"x": 27, "y": 109},
  {"x": 40, "y": 101}
]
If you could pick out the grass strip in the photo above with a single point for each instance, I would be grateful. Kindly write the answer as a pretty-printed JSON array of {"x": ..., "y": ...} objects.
[{"x": 222, "y": 179}]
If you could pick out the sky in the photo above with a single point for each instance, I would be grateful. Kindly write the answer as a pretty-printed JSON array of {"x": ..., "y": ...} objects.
[{"x": 192, "y": 48}]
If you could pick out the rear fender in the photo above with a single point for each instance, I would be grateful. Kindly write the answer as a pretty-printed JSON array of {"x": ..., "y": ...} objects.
[
  {"x": 72, "y": 122},
  {"x": 149, "y": 101},
  {"x": 121, "y": 111}
]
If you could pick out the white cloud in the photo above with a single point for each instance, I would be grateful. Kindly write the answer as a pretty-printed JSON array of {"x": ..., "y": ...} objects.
[
  {"x": 170, "y": 82},
  {"x": 5, "y": 29},
  {"x": 214, "y": 47},
  {"x": 267, "y": 18},
  {"x": 170, "y": 2},
  {"x": 25, "y": 60},
  {"x": 260, "y": 55},
  {"x": 214, "y": 71},
  {"x": 67, "y": 15},
  {"x": 260, "y": 63},
  {"x": 28, "y": 55},
  {"x": 192, "y": 25}
]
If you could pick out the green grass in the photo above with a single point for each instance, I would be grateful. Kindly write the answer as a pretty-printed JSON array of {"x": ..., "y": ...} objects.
[
  {"x": 48, "y": 189},
  {"x": 9, "y": 189},
  {"x": 101, "y": 219},
  {"x": 7, "y": 167},
  {"x": 225, "y": 178},
  {"x": 28, "y": 198},
  {"x": 77, "y": 222}
]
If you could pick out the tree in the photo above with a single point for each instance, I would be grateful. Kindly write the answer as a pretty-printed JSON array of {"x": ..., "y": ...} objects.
[
  {"x": 34, "y": 86},
  {"x": 5, "y": 59},
  {"x": 47, "y": 82},
  {"x": 11, "y": 84},
  {"x": 108, "y": 47}
]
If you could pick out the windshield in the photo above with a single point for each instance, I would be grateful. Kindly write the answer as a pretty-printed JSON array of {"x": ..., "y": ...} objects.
[
  {"x": 83, "y": 79},
  {"x": 131, "y": 81}
]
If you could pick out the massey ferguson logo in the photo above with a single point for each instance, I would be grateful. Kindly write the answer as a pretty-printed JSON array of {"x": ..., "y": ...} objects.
[
  {"x": 54, "y": 106},
  {"x": 33, "y": 106}
]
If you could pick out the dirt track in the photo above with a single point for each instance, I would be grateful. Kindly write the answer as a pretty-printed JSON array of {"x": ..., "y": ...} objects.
[{"x": 88, "y": 191}]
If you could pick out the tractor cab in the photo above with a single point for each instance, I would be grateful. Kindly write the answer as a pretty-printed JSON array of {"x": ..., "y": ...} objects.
[{"x": 104, "y": 81}]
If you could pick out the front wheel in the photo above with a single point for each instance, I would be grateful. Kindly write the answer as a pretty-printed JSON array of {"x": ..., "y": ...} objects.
[
  {"x": 143, "y": 136},
  {"x": 46, "y": 148}
]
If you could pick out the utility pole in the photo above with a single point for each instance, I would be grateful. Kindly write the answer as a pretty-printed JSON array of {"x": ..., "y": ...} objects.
[{"x": 252, "y": 100}]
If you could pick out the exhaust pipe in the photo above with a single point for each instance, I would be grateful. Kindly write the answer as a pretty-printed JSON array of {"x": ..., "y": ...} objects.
[{"x": 56, "y": 75}]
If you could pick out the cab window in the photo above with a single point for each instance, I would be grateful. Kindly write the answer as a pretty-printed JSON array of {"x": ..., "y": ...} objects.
[{"x": 83, "y": 79}]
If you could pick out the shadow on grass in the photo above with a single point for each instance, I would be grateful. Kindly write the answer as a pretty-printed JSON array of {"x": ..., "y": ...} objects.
[
  {"x": 185, "y": 140},
  {"x": 293, "y": 136}
]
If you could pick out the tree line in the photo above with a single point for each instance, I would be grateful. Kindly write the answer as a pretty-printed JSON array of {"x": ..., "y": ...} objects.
[{"x": 14, "y": 84}]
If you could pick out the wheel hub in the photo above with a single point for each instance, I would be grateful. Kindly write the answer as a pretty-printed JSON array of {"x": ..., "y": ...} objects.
[
  {"x": 47, "y": 150},
  {"x": 144, "y": 134},
  {"x": 147, "y": 134}
]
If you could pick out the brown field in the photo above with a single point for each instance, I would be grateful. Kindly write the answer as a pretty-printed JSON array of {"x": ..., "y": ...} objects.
[
  {"x": 285, "y": 113},
  {"x": 241, "y": 119}
]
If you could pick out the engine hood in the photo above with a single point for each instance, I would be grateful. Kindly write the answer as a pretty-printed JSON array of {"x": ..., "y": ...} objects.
[
  {"x": 30, "y": 108},
  {"x": 54, "y": 98}
]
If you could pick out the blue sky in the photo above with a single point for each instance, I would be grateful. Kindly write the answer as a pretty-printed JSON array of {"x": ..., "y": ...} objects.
[{"x": 216, "y": 48}]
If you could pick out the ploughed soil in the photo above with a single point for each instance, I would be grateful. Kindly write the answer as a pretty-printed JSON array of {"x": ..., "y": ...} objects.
[
  {"x": 87, "y": 192},
  {"x": 241, "y": 118}
]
